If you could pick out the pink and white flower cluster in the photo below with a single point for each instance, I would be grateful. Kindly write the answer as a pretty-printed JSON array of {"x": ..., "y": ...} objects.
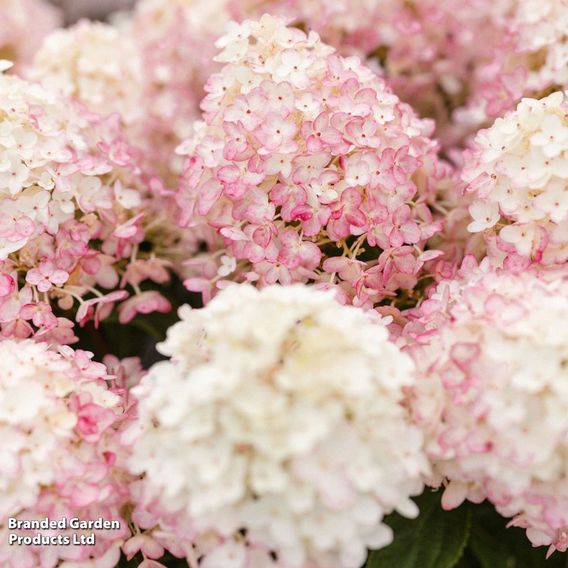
[
  {"x": 284, "y": 448},
  {"x": 305, "y": 161},
  {"x": 493, "y": 397},
  {"x": 376, "y": 318},
  {"x": 71, "y": 216},
  {"x": 517, "y": 173},
  {"x": 60, "y": 455}
]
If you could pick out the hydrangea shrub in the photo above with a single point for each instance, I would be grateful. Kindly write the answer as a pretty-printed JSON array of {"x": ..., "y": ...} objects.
[{"x": 359, "y": 209}]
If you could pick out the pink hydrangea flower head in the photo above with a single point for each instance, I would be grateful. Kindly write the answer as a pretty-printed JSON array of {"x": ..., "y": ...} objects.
[
  {"x": 492, "y": 399},
  {"x": 306, "y": 157},
  {"x": 517, "y": 175},
  {"x": 60, "y": 456},
  {"x": 440, "y": 56},
  {"x": 74, "y": 209},
  {"x": 263, "y": 446}
]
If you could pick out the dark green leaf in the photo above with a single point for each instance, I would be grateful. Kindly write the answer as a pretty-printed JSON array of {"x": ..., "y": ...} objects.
[{"x": 436, "y": 539}]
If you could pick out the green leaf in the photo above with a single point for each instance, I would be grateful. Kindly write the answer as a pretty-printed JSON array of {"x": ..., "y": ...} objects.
[
  {"x": 467, "y": 560},
  {"x": 436, "y": 539}
]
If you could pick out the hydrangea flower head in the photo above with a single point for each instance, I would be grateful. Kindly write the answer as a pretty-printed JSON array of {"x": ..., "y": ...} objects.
[
  {"x": 517, "y": 173},
  {"x": 96, "y": 64},
  {"x": 286, "y": 448},
  {"x": 59, "y": 452},
  {"x": 493, "y": 397},
  {"x": 71, "y": 212},
  {"x": 306, "y": 161}
]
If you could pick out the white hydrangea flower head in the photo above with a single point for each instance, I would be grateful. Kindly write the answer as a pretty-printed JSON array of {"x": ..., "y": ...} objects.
[
  {"x": 493, "y": 351},
  {"x": 518, "y": 172},
  {"x": 96, "y": 64},
  {"x": 58, "y": 420},
  {"x": 277, "y": 431}
]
